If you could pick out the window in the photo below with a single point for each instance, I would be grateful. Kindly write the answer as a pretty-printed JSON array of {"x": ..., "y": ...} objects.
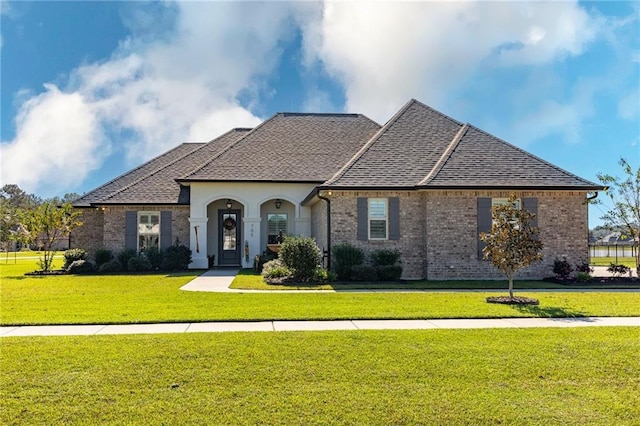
[
  {"x": 503, "y": 202},
  {"x": 276, "y": 223},
  {"x": 378, "y": 218},
  {"x": 148, "y": 230}
]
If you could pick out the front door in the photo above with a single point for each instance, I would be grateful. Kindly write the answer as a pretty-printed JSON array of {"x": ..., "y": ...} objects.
[{"x": 229, "y": 237}]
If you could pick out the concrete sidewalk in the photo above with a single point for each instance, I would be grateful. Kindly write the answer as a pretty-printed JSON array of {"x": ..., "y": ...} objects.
[{"x": 209, "y": 327}]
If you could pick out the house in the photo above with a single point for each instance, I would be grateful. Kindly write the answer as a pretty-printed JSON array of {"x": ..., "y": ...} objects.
[{"x": 423, "y": 183}]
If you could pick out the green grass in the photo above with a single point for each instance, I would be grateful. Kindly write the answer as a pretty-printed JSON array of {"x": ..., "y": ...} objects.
[
  {"x": 120, "y": 299},
  {"x": 606, "y": 261},
  {"x": 247, "y": 279},
  {"x": 456, "y": 377}
]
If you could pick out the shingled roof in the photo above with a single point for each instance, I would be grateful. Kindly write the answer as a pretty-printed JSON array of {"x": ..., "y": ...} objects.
[
  {"x": 420, "y": 148},
  {"x": 155, "y": 181},
  {"x": 290, "y": 147}
]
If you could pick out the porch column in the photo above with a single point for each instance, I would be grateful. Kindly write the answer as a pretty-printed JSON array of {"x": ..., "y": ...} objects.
[
  {"x": 252, "y": 238},
  {"x": 198, "y": 242}
]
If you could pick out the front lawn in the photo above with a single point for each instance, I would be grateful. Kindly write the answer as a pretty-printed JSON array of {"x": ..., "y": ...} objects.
[
  {"x": 457, "y": 377},
  {"x": 118, "y": 299}
]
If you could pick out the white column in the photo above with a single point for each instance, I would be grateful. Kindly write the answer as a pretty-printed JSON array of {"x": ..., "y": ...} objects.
[
  {"x": 198, "y": 243},
  {"x": 252, "y": 237}
]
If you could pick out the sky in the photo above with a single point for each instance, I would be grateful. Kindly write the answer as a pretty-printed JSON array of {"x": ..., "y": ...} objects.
[{"x": 91, "y": 89}]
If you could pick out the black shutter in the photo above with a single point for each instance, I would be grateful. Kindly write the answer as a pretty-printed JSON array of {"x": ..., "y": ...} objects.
[
  {"x": 394, "y": 218},
  {"x": 363, "y": 219},
  {"x": 484, "y": 221},
  {"x": 531, "y": 205},
  {"x": 165, "y": 229},
  {"x": 131, "y": 230}
]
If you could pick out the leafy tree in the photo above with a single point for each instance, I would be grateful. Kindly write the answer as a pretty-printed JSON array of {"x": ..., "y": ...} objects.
[
  {"x": 17, "y": 198},
  {"x": 625, "y": 196},
  {"x": 512, "y": 243},
  {"x": 46, "y": 224}
]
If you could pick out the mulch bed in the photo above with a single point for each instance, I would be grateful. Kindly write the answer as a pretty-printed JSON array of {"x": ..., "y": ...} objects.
[
  {"x": 43, "y": 273},
  {"x": 515, "y": 300},
  {"x": 595, "y": 281}
]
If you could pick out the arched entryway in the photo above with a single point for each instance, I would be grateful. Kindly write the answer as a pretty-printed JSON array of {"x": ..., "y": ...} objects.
[{"x": 224, "y": 239}]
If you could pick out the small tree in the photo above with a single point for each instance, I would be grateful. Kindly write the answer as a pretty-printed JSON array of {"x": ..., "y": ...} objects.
[
  {"x": 625, "y": 196},
  {"x": 512, "y": 243},
  {"x": 46, "y": 224}
]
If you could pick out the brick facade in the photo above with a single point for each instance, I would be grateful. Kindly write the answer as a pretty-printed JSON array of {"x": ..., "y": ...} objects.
[
  {"x": 438, "y": 231},
  {"x": 105, "y": 227}
]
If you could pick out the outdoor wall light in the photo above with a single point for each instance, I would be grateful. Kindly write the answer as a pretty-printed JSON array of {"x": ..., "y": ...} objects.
[
  {"x": 278, "y": 203},
  {"x": 229, "y": 204}
]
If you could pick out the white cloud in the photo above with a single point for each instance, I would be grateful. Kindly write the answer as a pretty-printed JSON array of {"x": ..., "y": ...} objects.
[
  {"x": 629, "y": 105},
  {"x": 385, "y": 53},
  {"x": 57, "y": 140},
  {"x": 155, "y": 94}
]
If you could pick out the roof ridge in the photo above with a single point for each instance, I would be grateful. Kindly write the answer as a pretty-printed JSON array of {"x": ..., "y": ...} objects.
[
  {"x": 438, "y": 112},
  {"x": 202, "y": 165},
  {"x": 445, "y": 155},
  {"x": 158, "y": 169},
  {"x": 560, "y": 169},
  {"x": 140, "y": 167},
  {"x": 369, "y": 143}
]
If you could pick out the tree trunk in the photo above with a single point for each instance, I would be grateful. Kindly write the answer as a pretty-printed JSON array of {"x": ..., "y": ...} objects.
[{"x": 510, "y": 287}]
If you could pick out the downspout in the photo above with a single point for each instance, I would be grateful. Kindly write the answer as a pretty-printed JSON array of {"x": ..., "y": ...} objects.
[
  {"x": 328, "y": 227},
  {"x": 593, "y": 197}
]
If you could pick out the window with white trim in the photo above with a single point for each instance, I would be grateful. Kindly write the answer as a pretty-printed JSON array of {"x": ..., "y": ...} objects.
[
  {"x": 378, "y": 210},
  {"x": 148, "y": 230},
  {"x": 276, "y": 223}
]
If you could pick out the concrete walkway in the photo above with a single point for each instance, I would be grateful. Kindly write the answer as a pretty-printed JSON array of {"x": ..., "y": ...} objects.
[
  {"x": 219, "y": 280},
  {"x": 209, "y": 327}
]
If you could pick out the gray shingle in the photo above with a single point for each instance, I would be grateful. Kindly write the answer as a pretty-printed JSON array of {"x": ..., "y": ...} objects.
[
  {"x": 291, "y": 147},
  {"x": 154, "y": 181},
  {"x": 404, "y": 151},
  {"x": 482, "y": 160}
]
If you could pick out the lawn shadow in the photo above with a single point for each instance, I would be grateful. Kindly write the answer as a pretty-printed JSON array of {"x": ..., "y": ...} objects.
[{"x": 549, "y": 311}]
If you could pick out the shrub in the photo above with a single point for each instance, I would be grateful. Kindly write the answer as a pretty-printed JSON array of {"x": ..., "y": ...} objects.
[
  {"x": 389, "y": 272},
  {"x": 138, "y": 264},
  {"x": 618, "y": 270},
  {"x": 562, "y": 269},
  {"x": 124, "y": 256},
  {"x": 72, "y": 255},
  {"x": 583, "y": 277},
  {"x": 113, "y": 265},
  {"x": 177, "y": 257},
  {"x": 385, "y": 257},
  {"x": 275, "y": 269},
  {"x": 155, "y": 257},
  {"x": 260, "y": 260},
  {"x": 322, "y": 275},
  {"x": 583, "y": 267},
  {"x": 364, "y": 273},
  {"x": 80, "y": 267},
  {"x": 103, "y": 256},
  {"x": 345, "y": 257},
  {"x": 301, "y": 255}
]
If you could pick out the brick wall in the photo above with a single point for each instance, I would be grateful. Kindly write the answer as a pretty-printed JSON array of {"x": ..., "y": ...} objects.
[
  {"x": 89, "y": 236},
  {"x": 452, "y": 233},
  {"x": 438, "y": 231},
  {"x": 105, "y": 228},
  {"x": 319, "y": 223},
  {"x": 411, "y": 243}
]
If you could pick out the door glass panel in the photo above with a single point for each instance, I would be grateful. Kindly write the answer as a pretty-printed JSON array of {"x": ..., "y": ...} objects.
[{"x": 229, "y": 226}]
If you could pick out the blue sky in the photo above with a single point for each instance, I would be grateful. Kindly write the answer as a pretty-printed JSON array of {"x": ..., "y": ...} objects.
[{"x": 91, "y": 89}]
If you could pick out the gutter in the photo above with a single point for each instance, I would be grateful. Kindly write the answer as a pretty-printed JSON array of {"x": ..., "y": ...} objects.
[{"x": 328, "y": 201}]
